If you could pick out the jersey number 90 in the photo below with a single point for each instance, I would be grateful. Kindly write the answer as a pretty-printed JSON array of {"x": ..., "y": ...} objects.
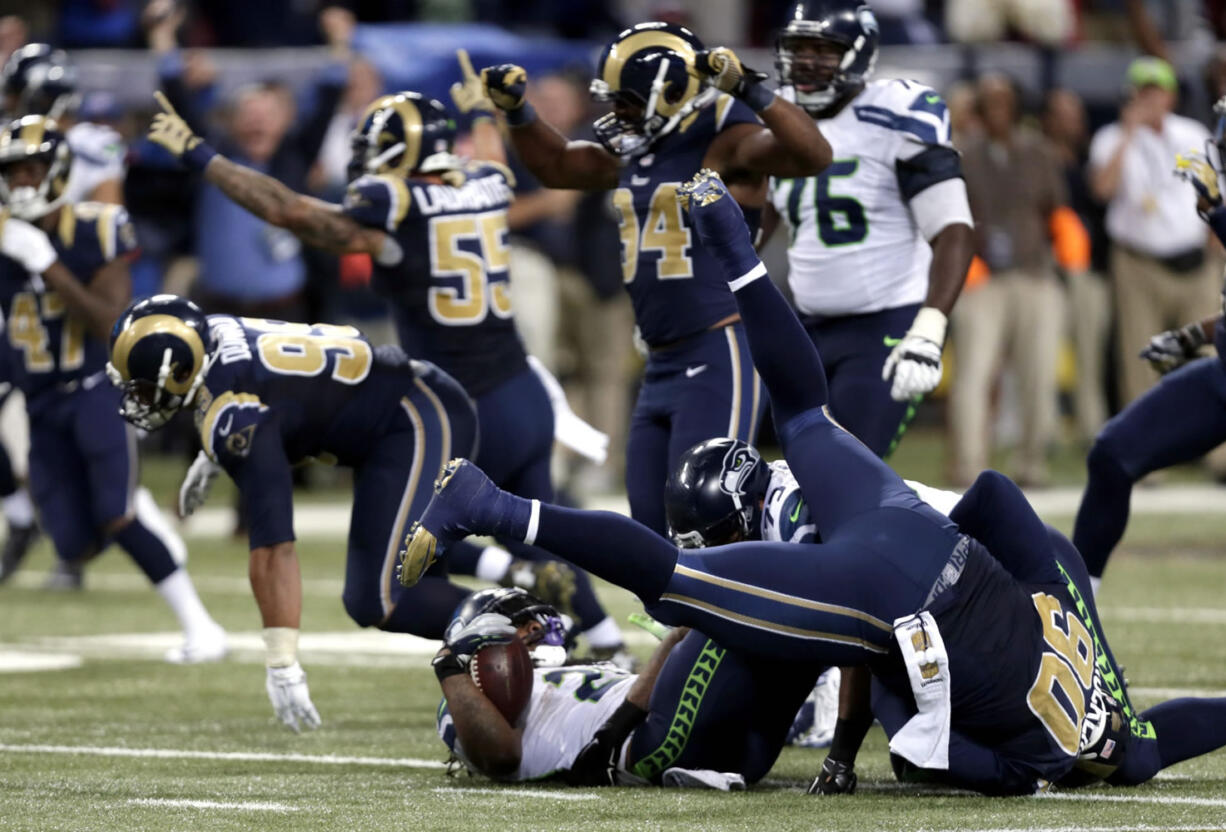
[{"x": 1067, "y": 668}]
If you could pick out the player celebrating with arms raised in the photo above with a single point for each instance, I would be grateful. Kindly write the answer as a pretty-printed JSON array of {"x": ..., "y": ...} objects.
[{"x": 677, "y": 106}]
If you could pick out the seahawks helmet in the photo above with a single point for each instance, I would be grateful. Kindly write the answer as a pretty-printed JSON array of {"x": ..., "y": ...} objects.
[
  {"x": 848, "y": 23},
  {"x": 34, "y": 138},
  {"x": 650, "y": 68},
  {"x": 160, "y": 352},
  {"x": 714, "y": 496},
  {"x": 547, "y": 647},
  {"x": 39, "y": 80},
  {"x": 403, "y": 133}
]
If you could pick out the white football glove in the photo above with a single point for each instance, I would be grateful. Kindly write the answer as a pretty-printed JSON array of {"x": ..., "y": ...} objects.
[
  {"x": 196, "y": 484},
  {"x": 28, "y": 244},
  {"x": 287, "y": 690},
  {"x": 915, "y": 362},
  {"x": 464, "y": 640}
]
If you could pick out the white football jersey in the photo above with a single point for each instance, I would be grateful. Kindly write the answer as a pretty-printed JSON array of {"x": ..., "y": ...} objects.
[
  {"x": 568, "y": 705},
  {"x": 855, "y": 246},
  {"x": 97, "y": 155},
  {"x": 786, "y": 518}
]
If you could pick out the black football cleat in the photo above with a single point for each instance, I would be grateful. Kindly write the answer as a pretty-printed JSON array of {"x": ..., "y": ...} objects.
[{"x": 16, "y": 547}]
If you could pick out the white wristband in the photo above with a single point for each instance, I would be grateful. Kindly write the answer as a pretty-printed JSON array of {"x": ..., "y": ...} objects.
[
  {"x": 929, "y": 323},
  {"x": 280, "y": 646}
]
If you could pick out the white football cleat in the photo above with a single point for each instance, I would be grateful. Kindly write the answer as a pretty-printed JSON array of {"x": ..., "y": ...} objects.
[
  {"x": 206, "y": 644},
  {"x": 825, "y": 701},
  {"x": 702, "y": 778}
]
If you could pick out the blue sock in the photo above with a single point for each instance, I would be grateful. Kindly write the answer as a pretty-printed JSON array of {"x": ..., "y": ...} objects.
[
  {"x": 1185, "y": 728},
  {"x": 1103, "y": 514},
  {"x": 148, "y": 550},
  {"x": 462, "y": 557}
]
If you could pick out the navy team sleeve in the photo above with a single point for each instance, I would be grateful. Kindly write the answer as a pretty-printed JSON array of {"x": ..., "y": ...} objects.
[
  {"x": 243, "y": 436},
  {"x": 377, "y": 202}
]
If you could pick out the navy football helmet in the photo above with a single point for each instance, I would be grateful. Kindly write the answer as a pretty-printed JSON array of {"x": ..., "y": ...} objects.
[
  {"x": 39, "y": 80},
  {"x": 34, "y": 138},
  {"x": 715, "y": 494},
  {"x": 161, "y": 349},
  {"x": 852, "y": 26},
  {"x": 649, "y": 69},
  {"x": 403, "y": 133},
  {"x": 547, "y": 646}
]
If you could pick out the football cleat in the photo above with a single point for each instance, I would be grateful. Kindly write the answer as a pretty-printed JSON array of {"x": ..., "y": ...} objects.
[
  {"x": 207, "y": 644},
  {"x": 702, "y": 778},
  {"x": 66, "y": 575},
  {"x": 457, "y": 490}
]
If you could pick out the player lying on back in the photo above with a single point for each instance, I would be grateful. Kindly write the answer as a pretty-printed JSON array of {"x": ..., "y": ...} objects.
[
  {"x": 697, "y": 715},
  {"x": 269, "y": 395},
  {"x": 63, "y": 280},
  {"x": 677, "y": 106},
  {"x": 434, "y": 226},
  {"x": 990, "y": 669},
  {"x": 1179, "y": 419}
]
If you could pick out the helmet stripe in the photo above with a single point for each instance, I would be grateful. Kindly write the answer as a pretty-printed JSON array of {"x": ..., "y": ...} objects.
[
  {"x": 32, "y": 133},
  {"x": 622, "y": 51},
  {"x": 410, "y": 117},
  {"x": 150, "y": 325}
]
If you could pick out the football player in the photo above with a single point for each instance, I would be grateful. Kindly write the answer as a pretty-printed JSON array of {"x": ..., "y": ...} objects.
[
  {"x": 435, "y": 228},
  {"x": 990, "y": 669},
  {"x": 63, "y": 281},
  {"x": 697, "y": 714},
  {"x": 268, "y": 395},
  {"x": 880, "y": 241},
  {"x": 1180, "y": 419},
  {"x": 40, "y": 80},
  {"x": 677, "y": 106}
]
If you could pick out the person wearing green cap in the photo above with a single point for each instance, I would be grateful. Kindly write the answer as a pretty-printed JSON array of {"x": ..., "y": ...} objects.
[{"x": 1159, "y": 270}]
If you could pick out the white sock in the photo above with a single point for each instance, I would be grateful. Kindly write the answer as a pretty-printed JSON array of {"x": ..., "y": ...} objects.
[
  {"x": 180, "y": 595},
  {"x": 154, "y": 520},
  {"x": 493, "y": 564},
  {"x": 604, "y": 634},
  {"x": 1095, "y": 583},
  {"x": 18, "y": 509}
]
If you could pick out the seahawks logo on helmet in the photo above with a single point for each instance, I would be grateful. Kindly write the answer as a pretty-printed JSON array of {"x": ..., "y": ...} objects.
[
  {"x": 739, "y": 465},
  {"x": 648, "y": 73},
  {"x": 714, "y": 495}
]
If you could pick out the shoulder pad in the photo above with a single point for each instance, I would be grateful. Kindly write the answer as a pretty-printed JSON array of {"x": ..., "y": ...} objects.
[
  {"x": 378, "y": 201},
  {"x": 910, "y": 108},
  {"x": 228, "y": 423},
  {"x": 101, "y": 225}
]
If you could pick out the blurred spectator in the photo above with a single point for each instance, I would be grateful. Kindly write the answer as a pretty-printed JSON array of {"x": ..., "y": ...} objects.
[
  {"x": 903, "y": 22},
  {"x": 1015, "y": 184},
  {"x": 1048, "y": 22},
  {"x": 248, "y": 267},
  {"x": 575, "y": 19},
  {"x": 964, "y": 122},
  {"x": 1064, "y": 123},
  {"x": 331, "y": 175},
  {"x": 1159, "y": 268},
  {"x": 93, "y": 24},
  {"x": 13, "y": 35}
]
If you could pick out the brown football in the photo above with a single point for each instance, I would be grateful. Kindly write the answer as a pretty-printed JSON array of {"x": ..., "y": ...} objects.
[{"x": 503, "y": 672}]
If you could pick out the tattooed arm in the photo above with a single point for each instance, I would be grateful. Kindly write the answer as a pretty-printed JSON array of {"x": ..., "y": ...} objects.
[{"x": 316, "y": 223}]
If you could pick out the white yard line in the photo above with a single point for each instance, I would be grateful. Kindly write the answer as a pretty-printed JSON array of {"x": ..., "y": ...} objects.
[
  {"x": 1134, "y": 828},
  {"x": 247, "y": 806},
  {"x": 539, "y": 794},
  {"x": 1134, "y": 798},
  {"x": 241, "y": 756}
]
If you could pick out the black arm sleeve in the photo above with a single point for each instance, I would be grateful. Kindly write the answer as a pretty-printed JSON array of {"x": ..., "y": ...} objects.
[{"x": 925, "y": 169}]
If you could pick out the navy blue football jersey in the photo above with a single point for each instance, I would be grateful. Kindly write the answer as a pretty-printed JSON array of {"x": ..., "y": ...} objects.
[
  {"x": 51, "y": 347},
  {"x": 661, "y": 255},
  {"x": 452, "y": 290}
]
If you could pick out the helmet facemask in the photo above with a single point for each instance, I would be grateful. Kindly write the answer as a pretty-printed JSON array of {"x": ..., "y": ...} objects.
[
  {"x": 149, "y": 404},
  {"x": 33, "y": 202},
  {"x": 630, "y": 137},
  {"x": 821, "y": 69}
]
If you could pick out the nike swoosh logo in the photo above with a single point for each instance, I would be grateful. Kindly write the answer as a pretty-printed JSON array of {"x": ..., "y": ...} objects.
[
  {"x": 639, "y": 181},
  {"x": 932, "y": 98},
  {"x": 891, "y": 342},
  {"x": 690, "y": 372},
  {"x": 224, "y": 430},
  {"x": 795, "y": 515}
]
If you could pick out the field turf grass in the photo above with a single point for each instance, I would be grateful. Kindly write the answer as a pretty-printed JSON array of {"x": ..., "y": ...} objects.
[{"x": 77, "y": 745}]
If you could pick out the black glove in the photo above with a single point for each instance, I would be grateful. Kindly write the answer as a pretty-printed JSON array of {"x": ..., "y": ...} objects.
[
  {"x": 505, "y": 85},
  {"x": 836, "y": 777}
]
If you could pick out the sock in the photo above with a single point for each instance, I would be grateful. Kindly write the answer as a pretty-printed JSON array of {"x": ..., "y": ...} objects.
[
  {"x": 179, "y": 593},
  {"x": 848, "y": 737},
  {"x": 18, "y": 509},
  {"x": 1188, "y": 728},
  {"x": 1103, "y": 514},
  {"x": 148, "y": 550},
  {"x": 606, "y": 633},
  {"x": 492, "y": 564},
  {"x": 1095, "y": 583},
  {"x": 148, "y": 513}
]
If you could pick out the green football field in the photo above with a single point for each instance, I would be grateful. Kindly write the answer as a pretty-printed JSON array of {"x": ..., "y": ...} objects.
[{"x": 105, "y": 736}]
